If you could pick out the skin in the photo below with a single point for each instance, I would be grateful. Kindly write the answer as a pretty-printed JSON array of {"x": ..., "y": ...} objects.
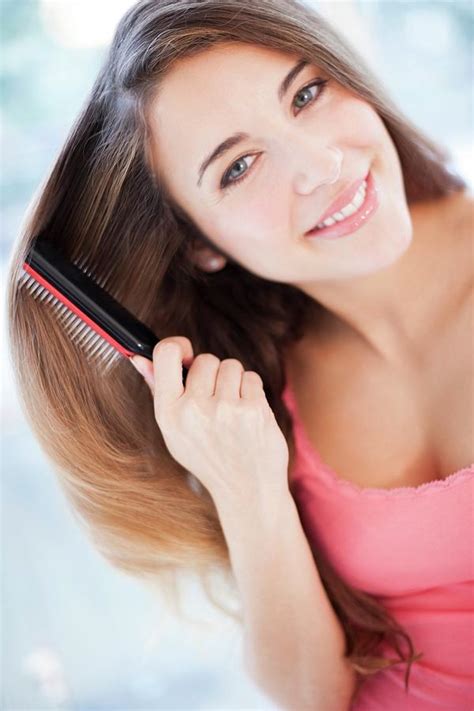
[
  {"x": 303, "y": 152},
  {"x": 380, "y": 286}
]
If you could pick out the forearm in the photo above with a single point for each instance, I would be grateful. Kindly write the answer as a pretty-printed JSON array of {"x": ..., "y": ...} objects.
[{"x": 293, "y": 640}]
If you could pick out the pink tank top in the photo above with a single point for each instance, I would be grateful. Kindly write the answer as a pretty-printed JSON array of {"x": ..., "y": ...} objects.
[{"x": 412, "y": 549}]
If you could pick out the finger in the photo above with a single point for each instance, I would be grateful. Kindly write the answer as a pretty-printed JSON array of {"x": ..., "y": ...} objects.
[
  {"x": 168, "y": 357},
  {"x": 145, "y": 368},
  {"x": 251, "y": 386},
  {"x": 201, "y": 378},
  {"x": 229, "y": 378}
]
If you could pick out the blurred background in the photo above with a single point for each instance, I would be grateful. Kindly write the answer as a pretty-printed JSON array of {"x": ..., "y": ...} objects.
[{"x": 76, "y": 633}]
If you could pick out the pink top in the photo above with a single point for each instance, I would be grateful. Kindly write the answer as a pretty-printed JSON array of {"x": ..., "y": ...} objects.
[{"x": 412, "y": 548}]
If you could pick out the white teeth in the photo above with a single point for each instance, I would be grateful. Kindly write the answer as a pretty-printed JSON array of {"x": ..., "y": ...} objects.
[
  {"x": 328, "y": 222},
  {"x": 349, "y": 209}
]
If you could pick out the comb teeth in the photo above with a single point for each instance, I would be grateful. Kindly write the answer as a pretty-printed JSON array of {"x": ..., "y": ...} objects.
[
  {"x": 96, "y": 349},
  {"x": 82, "y": 265}
]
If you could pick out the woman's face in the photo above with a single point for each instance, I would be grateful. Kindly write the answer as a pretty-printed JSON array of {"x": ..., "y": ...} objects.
[{"x": 302, "y": 150}]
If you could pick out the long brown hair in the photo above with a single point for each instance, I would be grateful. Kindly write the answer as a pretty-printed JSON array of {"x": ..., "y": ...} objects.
[{"x": 141, "y": 509}]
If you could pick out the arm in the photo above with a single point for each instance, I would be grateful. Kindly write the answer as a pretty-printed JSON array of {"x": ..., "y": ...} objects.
[
  {"x": 293, "y": 640},
  {"x": 222, "y": 429}
]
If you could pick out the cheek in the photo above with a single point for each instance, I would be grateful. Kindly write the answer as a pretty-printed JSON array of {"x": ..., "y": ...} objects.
[
  {"x": 357, "y": 124},
  {"x": 250, "y": 223},
  {"x": 247, "y": 238},
  {"x": 268, "y": 214},
  {"x": 265, "y": 215}
]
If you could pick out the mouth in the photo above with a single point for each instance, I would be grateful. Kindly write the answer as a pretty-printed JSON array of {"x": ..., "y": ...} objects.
[{"x": 353, "y": 209}]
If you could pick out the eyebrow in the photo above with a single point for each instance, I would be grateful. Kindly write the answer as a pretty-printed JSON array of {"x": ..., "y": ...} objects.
[{"x": 240, "y": 136}]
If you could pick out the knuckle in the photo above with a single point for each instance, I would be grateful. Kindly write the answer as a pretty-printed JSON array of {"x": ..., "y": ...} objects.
[
  {"x": 207, "y": 358},
  {"x": 186, "y": 340},
  {"x": 162, "y": 343},
  {"x": 177, "y": 340},
  {"x": 232, "y": 360},
  {"x": 227, "y": 410},
  {"x": 253, "y": 374}
]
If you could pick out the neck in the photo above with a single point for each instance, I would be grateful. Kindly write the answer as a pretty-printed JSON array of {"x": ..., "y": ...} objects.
[{"x": 395, "y": 311}]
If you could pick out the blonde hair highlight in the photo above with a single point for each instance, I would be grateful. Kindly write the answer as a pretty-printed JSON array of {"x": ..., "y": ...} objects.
[{"x": 142, "y": 511}]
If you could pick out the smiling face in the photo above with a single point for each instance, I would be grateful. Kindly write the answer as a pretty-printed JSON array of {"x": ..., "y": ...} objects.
[{"x": 303, "y": 147}]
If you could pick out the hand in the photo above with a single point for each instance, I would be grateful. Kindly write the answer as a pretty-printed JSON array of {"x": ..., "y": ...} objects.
[{"x": 219, "y": 425}]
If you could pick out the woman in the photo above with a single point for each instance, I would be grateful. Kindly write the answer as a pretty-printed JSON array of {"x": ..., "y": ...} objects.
[{"x": 355, "y": 341}]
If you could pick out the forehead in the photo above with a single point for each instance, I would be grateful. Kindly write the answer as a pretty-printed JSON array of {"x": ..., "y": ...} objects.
[
  {"x": 236, "y": 61},
  {"x": 204, "y": 98}
]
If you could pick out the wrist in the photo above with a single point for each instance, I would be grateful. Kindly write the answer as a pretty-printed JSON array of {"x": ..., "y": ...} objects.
[{"x": 250, "y": 509}]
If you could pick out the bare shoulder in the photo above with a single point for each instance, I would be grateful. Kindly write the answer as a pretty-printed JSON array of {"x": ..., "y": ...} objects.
[
  {"x": 465, "y": 225},
  {"x": 458, "y": 222}
]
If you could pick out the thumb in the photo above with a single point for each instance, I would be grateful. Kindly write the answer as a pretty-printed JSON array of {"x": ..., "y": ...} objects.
[{"x": 145, "y": 368}]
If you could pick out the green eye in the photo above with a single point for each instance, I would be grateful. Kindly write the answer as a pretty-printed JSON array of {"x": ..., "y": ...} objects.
[
  {"x": 226, "y": 182},
  {"x": 304, "y": 91}
]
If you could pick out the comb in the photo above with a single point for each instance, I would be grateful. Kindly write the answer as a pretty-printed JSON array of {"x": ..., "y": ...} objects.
[{"x": 99, "y": 325}]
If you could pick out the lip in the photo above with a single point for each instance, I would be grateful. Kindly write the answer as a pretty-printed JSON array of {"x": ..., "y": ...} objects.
[
  {"x": 341, "y": 201},
  {"x": 354, "y": 221}
]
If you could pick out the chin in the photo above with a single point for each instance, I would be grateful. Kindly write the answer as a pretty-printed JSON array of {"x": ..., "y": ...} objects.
[{"x": 397, "y": 244}]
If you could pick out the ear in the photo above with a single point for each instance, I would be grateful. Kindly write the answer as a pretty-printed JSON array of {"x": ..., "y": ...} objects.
[{"x": 205, "y": 257}]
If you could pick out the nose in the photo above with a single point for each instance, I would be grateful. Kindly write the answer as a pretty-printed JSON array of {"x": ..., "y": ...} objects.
[{"x": 317, "y": 168}]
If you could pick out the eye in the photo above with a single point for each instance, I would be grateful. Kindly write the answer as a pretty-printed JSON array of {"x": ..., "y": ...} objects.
[{"x": 228, "y": 181}]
